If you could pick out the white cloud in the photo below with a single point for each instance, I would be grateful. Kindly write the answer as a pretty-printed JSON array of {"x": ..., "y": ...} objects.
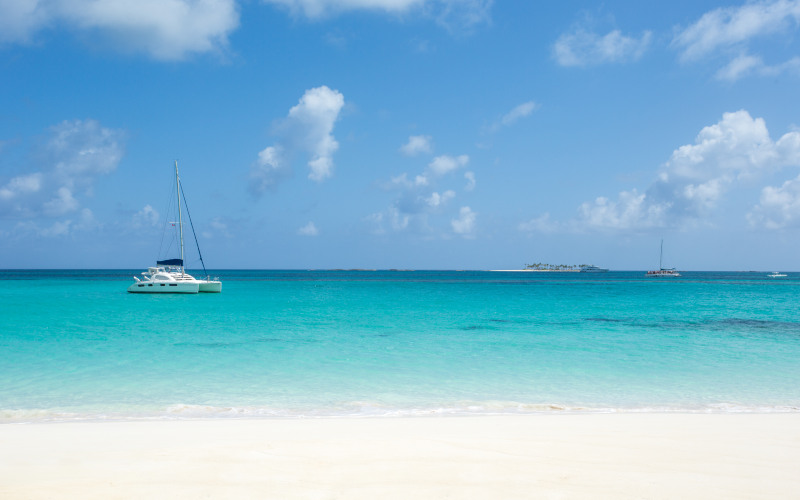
[
  {"x": 21, "y": 185},
  {"x": 312, "y": 121},
  {"x": 269, "y": 169},
  {"x": 584, "y": 48},
  {"x": 541, "y": 224},
  {"x": 631, "y": 211},
  {"x": 517, "y": 113},
  {"x": 60, "y": 228},
  {"x": 422, "y": 202},
  {"x": 731, "y": 26},
  {"x": 470, "y": 176},
  {"x": 320, "y": 8},
  {"x": 417, "y": 144},
  {"x": 147, "y": 216},
  {"x": 20, "y": 19},
  {"x": 162, "y": 29},
  {"x": 66, "y": 167},
  {"x": 778, "y": 207},
  {"x": 691, "y": 184},
  {"x": 746, "y": 65},
  {"x": 520, "y": 111},
  {"x": 731, "y": 31},
  {"x": 445, "y": 164},
  {"x": 465, "y": 223},
  {"x": 454, "y": 15},
  {"x": 62, "y": 203},
  {"x": 309, "y": 229},
  {"x": 307, "y": 128},
  {"x": 435, "y": 199}
]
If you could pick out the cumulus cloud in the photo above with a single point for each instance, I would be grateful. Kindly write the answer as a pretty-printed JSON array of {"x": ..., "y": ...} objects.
[
  {"x": 74, "y": 156},
  {"x": 581, "y": 47},
  {"x": 730, "y": 32},
  {"x": 778, "y": 207},
  {"x": 309, "y": 229},
  {"x": 465, "y": 223},
  {"x": 442, "y": 165},
  {"x": 422, "y": 201},
  {"x": 308, "y": 128},
  {"x": 436, "y": 200},
  {"x": 162, "y": 29},
  {"x": 697, "y": 176},
  {"x": 417, "y": 144}
]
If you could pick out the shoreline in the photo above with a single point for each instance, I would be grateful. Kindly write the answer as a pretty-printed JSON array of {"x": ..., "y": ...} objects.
[{"x": 649, "y": 455}]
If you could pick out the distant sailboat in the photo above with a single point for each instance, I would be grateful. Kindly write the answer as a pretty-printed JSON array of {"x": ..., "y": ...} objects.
[
  {"x": 169, "y": 276},
  {"x": 662, "y": 272},
  {"x": 776, "y": 274}
]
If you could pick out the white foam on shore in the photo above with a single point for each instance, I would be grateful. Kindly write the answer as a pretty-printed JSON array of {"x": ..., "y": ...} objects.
[{"x": 363, "y": 409}]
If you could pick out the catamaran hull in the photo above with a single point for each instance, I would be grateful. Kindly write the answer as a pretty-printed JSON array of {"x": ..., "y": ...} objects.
[
  {"x": 144, "y": 287},
  {"x": 210, "y": 286}
]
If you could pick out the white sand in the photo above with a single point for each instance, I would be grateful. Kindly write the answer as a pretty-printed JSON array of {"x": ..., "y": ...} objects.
[{"x": 536, "y": 456}]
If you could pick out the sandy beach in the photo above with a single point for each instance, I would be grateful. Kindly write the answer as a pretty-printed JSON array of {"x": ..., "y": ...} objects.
[{"x": 536, "y": 456}]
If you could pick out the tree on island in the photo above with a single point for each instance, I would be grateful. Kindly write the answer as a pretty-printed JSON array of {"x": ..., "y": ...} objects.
[{"x": 539, "y": 266}]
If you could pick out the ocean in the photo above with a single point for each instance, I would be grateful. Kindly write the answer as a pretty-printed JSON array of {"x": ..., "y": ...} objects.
[{"x": 74, "y": 345}]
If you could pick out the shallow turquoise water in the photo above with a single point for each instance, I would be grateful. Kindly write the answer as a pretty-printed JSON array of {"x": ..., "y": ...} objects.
[{"x": 75, "y": 345}]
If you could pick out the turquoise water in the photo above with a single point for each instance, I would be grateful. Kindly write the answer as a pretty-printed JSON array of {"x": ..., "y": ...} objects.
[{"x": 75, "y": 345}]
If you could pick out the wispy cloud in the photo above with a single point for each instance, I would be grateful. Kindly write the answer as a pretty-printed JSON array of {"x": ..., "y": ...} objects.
[
  {"x": 146, "y": 217},
  {"x": 162, "y": 29},
  {"x": 308, "y": 128},
  {"x": 541, "y": 224},
  {"x": 516, "y": 114},
  {"x": 747, "y": 65},
  {"x": 583, "y": 47},
  {"x": 75, "y": 155},
  {"x": 454, "y": 15},
  {"x": 730, "y": 32}
]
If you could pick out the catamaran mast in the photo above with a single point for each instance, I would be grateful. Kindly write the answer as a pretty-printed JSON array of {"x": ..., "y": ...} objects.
[
  {"x": 180, "y": 219},
  {"x": 660, "y": 255}
]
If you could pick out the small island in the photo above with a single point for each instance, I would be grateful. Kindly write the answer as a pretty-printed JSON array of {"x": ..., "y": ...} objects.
[{"x": 564, "y": 268}]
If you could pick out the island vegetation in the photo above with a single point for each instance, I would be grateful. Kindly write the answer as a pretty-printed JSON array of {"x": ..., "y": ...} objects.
[{"x": 539, "y": 266}]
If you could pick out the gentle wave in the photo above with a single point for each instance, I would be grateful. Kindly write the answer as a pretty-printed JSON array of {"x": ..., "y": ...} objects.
[{"x": 362, "y": 410}]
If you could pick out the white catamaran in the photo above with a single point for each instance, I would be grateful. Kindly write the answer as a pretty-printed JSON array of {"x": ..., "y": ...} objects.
[
  {"x": 169, "y": 276},
  {"x": 662, "y": 272}
]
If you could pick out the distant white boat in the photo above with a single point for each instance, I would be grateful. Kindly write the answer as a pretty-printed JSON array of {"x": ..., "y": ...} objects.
[
  {"x": 169, "y": 276},
  {"x": 662, "y": 272},
  {"x": 776, "y": 274},
  {"x": 593, "y": 269}
]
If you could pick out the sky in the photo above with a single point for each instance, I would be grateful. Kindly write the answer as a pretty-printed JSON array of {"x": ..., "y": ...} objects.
[{"x": 407, "y": 134}]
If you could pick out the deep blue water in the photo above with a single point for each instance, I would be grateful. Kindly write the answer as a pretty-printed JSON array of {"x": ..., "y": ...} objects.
[{"x": 75, "y": 345}]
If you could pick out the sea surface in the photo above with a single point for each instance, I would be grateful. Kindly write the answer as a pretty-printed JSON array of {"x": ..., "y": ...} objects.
[{"x": 75, "y": 346}]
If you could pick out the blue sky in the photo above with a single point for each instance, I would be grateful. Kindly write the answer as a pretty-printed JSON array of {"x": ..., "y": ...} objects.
[{"x": 449, "y": 134}]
